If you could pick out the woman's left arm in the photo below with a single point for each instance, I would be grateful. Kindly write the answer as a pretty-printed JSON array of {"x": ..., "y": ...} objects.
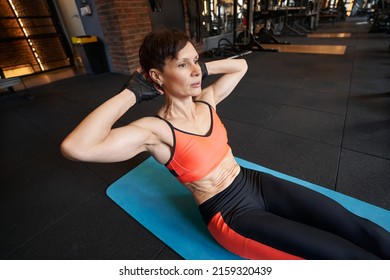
[{"x": 232, "y": 69}]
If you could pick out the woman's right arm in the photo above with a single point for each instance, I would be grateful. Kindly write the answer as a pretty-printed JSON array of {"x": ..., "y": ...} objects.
[{"x": 95, "y": 140}]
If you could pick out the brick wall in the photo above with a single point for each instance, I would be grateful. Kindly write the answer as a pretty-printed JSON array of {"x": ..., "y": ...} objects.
[
  {"x": 12, "y": 52},
  {"x": 15, "y": 51},
  {"x": 125, "y": 23}
]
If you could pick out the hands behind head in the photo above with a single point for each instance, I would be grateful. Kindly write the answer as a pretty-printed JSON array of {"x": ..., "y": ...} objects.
[{"x": 143, "y": 86}]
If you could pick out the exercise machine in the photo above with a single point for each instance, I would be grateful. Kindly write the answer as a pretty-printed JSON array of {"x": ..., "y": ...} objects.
[{"x": 252, "y": 36}]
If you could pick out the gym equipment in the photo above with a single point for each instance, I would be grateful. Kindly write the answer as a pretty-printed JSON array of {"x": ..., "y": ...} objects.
[
  {"x": 152, "y": 196},
  {"x": 266, "y": 34},
  {"x": 249, "y": 37},
  {"x": 228, "y": 50}
]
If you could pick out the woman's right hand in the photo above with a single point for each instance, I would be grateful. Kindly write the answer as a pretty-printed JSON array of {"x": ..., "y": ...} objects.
[{"x": 142, "y": 86}]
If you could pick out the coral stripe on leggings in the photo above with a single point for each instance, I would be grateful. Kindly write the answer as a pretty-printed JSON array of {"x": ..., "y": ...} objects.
[{"x": 260, "y": 216}]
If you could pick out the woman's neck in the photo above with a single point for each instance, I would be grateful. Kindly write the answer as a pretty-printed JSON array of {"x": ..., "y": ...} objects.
[{"x": 178, "y": 109}]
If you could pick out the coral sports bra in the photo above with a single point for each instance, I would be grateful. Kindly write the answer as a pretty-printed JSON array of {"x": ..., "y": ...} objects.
[{"x": 194, "y": 156}]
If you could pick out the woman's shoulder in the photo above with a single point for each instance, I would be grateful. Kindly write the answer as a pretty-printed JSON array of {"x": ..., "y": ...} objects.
[
  {"x": 207, "y": 96},
  {"x": 152, "y": 123},
  {"x": 156, "y": 125}
]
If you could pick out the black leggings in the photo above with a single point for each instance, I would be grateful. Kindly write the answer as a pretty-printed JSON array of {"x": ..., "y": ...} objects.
[{"x": 260, "y": 216}]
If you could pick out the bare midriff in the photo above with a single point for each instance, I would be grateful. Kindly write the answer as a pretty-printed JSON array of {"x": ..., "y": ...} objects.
[{"x": 216, "y": 181}]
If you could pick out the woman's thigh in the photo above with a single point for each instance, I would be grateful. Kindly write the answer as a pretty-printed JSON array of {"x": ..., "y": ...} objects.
[
  {"x": 295, "y": 238},
  {"x": 305, "y": 206}
]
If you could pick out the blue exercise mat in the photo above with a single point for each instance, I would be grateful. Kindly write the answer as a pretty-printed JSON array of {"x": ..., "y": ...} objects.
[{"x": 152, "y": 196}]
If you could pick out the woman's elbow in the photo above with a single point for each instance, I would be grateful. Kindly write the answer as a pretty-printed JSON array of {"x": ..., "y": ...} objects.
[
  {"x": 244, "y": 65},
  {"x": 69, "y": 150}
]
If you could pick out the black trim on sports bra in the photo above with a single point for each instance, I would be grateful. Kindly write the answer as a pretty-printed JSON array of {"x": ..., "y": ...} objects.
[
  {"x": 174, "y": 128},
  {"x": 173, "y": 137},
  {"x": 208, "y": 133}
]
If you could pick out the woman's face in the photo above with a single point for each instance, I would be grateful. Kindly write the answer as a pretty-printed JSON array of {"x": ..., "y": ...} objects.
[{"x": 182, "y": 76}]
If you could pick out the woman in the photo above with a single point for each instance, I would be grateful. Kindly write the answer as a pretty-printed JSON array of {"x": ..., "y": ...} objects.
[{"x": 252, "y": 214}]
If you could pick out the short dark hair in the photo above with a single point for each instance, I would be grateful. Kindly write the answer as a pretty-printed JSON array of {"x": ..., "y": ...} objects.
[{"x": 160, "y": 45}]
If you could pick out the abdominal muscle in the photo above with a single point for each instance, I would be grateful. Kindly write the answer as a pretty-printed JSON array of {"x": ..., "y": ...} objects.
[{"x": 216, "y": 181}]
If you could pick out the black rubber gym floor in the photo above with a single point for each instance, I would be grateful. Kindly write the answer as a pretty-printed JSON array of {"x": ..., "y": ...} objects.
[{"x": 321, "y": 118}]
